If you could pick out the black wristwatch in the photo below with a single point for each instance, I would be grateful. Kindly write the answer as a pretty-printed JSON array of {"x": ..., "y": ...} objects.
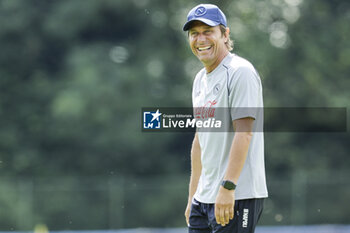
[{"x": 228, "y": 185}]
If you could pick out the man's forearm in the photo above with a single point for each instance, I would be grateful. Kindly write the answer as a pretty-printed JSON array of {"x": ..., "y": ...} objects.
[
  {"x": 193, "y": 186},
  {"x": 238, "y": 155},
  {"x": 196, "y": 168}
]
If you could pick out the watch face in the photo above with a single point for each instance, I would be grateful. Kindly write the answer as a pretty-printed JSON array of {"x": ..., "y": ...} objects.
[{"x": 228, "y": 185}]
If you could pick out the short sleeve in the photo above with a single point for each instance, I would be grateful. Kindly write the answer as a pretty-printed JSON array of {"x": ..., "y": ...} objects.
[{"x": 245, "y": 93}]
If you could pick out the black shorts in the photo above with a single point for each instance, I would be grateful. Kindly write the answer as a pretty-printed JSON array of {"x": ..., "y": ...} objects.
[{"x": 247, "y": 213}]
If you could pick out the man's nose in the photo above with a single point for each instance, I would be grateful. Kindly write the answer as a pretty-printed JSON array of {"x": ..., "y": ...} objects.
[{"x": 201, "y": 37}]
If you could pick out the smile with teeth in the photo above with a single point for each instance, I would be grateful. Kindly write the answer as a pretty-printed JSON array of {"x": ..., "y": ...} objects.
[{"x": 204, "y": 48}]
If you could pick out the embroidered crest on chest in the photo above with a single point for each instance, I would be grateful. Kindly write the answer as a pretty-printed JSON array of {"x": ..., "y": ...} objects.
[{"x": 216, "y": 89}]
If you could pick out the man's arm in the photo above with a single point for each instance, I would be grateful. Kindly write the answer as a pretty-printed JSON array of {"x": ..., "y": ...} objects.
[
  {"x": 225, "y": 200},
  {"x": 196, "y": 169}
]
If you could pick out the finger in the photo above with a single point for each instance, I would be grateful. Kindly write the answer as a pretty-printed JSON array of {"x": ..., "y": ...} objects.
[
  {"x": 227, "y": 216},
  {"x": 222, "y": 216},
  {"x": 187, "y": 216},
  {"x": 231, "y": 213},
  {"x": 217, "y": 214}
]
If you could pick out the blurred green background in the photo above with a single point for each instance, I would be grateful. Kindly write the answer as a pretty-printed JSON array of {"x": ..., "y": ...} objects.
[{"x": 74, "y": 75}]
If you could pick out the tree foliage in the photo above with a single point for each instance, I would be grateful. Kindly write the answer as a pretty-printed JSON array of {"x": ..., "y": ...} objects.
[{"x": 74, "y": 76}]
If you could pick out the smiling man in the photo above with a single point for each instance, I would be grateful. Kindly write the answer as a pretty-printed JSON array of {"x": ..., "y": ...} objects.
[{"x": 227, "y": 184}]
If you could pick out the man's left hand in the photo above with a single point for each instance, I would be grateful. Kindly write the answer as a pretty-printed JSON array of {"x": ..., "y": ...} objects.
[{"x": 224, "y": 206}]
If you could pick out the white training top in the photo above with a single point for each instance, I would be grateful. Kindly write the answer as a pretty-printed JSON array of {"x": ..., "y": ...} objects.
[{"x": 235, "y": 84}]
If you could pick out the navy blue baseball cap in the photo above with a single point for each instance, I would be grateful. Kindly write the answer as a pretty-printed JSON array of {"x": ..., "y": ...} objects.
[{"x": 207, "y": 13}]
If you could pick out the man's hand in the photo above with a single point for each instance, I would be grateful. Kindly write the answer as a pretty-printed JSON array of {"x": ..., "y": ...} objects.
[
  {"x": 224, "y": 206},
  {"x": 187, "y": 213}
]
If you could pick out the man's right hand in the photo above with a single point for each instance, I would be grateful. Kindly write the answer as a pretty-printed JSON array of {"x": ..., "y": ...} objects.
[{"x": 187, "y": 213}]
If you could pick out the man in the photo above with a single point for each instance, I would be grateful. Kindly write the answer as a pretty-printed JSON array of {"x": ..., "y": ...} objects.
[{"x": 227, "y": 185}]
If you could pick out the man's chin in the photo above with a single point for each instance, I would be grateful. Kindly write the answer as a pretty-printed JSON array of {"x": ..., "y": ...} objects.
[{"x": 204, "y": 59}]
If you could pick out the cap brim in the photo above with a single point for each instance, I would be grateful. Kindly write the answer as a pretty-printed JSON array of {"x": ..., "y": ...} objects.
[{"x": 206, "y": 21}]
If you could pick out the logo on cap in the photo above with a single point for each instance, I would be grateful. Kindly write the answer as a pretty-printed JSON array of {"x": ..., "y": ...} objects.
[{"x": 200, "y": 11}]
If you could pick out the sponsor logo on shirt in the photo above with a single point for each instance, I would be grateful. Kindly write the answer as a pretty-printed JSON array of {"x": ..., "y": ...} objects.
[{"x": 206, "y": 111}]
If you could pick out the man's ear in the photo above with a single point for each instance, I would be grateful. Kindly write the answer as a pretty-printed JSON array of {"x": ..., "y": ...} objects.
[{"x": 227, "y": 33}]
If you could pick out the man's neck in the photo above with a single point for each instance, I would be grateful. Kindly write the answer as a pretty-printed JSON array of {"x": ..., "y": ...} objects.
[{"x": 210, "y": 67}]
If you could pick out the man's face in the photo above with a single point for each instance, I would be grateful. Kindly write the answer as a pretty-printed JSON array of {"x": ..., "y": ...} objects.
[{"x": 207, "y": 43}]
